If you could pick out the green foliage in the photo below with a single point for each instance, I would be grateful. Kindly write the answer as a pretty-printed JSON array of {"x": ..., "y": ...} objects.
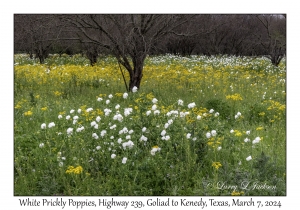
[
  {"x": 220, "y": 106},
  {"x": 255, "y": 114},
  {"x": 203, "y": 148}
]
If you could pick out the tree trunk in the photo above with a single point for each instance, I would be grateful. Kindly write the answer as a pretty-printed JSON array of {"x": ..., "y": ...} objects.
[
  {"x": 136, "y": 77},
  {"x": 92, "y": 55},
  {"x": 137, "y": 73},
  {"x": 41, "y": 54}
]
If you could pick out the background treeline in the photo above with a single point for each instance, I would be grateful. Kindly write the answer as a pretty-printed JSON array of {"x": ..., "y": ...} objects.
[{"x": 202, "y": 34}]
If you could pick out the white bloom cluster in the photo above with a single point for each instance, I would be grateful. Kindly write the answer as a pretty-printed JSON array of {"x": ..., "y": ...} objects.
[
  {"x": 98, "y": 118},
  {"x": 180, "y": 102},
  {"x": 107, "y": 111},
  {"x": 246, "y": 140},
  {"x": 81, "y": 128},
  {"x": 183, "y": 114},
  {"x": 69, "y": 131},
  {"x": 124, "y": 160},
  {"x": 163, "y": 133},
  {"x": 129, "y": 144},
  {"x": 154, "y": 150},
  {"x": 89, "y": 109},
  {"x": 154, "y": 100},
  {"x": 156, "y": 112},
  {"x": 210, "y": 134},
  {"x": 94, "y": 125},
  {"x": 43, "y": 126},
  {"x": 134, "y": 89},
  {"x": 143, "y": 138},
  {"x": 113, "y": 127},
  {"x": 118, "y": 117},
  {"x": 166, "y": 137},
  {"x": 95, "y": 136},
  {"x": 124, "y": 130},
  {"x": 52, "y": 124},
  {"x": 237, "y": 115},
  {"x": 103, "y": 133},
  {"x": 125, "y": 95},
  {"x": 256, "y": 140},
  {"x": 191, "y": 105},
  {"x": 127, "y": 111}
]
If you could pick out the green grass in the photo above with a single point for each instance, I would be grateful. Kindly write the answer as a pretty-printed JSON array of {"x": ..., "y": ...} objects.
[{"x": 183, "y": 166}]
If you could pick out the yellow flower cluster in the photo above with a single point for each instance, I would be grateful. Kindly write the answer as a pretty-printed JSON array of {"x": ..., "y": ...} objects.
[
  {"x": 20, "y": 103},
  {"x": 119, "y": 94},
  {"x": 28, "y": 113},
  {"x": 276, "y": 106},
  {"x": 234, "y": 97},
  {"x": 73, "y": 170},
  {"x": 216, "y": 165},
  {"x": 44, "y": 108},
  {"x": 57, "y": 93},
  {"x": 215, "y": 142},
  {"x": 237, "y": 133},
  {"x": 235, "y": 193}
]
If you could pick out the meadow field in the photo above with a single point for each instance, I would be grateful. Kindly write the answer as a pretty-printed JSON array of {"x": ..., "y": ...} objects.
[{"x": 197, "y": 126}]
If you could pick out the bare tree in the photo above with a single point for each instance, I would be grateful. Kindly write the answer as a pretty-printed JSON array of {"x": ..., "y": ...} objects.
[
  {"x": 128, "y": 37},
  {"x": 273, "y": 36},
  {"x": 36, "y": 34}
]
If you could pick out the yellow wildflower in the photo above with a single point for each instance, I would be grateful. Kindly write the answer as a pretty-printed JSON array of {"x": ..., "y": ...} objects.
[
  {"x": 73, "y": 170},
  {"x": 234, "y": 97},
  {"x": 150, "y": 96},
  {"x": 28, "y": 113},
  {"x": 237, "y": 133},
  {"x": 18, "y": 106},
  {"x": 119, "y": 94},
  {"x": 234, "y": 193},
  {"x": 44, "y": 108},
  {"x": 57, "y": 93},
  {"x": 62, "y": 113},
  {"x": 217, "y": 165}
]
